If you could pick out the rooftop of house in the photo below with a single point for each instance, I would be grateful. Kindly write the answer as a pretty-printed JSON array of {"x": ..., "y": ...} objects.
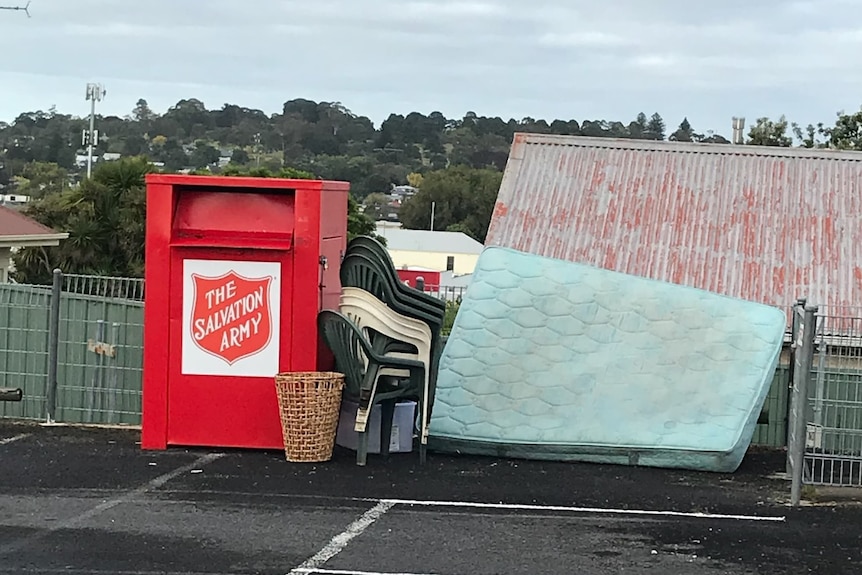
[
  {"x": 399, "y": 239},
  {"x": 18, "y": 230}
]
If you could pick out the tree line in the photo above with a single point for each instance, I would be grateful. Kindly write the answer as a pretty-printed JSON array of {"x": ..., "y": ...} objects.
[
  {"x": 328, "y": 139},
  {"x": 455, "y": 163}
]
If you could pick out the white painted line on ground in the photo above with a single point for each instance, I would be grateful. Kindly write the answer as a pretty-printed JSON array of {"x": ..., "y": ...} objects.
[
  {"x": 350, "y": 572},
  {"x": 74, "y": 571},
  {"x": 523, "y": 507},
  {"x": 8, "y": 440},
  {"x": 126, "y": 497},
  {"x": 340, "y": 541}
]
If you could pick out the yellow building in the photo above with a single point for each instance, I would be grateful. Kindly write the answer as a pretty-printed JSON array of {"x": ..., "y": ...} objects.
[{"x": 440, "y": 251}]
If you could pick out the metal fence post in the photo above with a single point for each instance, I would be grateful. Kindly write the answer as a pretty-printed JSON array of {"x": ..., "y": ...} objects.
[
  {"x": 794, "y": 338},
  {"x": 804, "y": 358},
  {"x": 53, "y": 346}
]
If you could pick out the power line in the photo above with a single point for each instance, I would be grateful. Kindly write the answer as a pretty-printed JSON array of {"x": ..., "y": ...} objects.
[{"x": 25, "y": 9}]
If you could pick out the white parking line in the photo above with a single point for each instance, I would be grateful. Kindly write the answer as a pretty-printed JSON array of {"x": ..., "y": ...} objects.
[
  {"x": 8, "y": 440},
  {"x": 349, "y": 572},
  {"x": 337, "y": 544},
  {"x": 125, "y": 497},
  {"x": 562, "y": 508}
]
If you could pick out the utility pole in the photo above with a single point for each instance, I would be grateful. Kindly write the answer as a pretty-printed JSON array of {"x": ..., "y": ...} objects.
[
  {"x": 24, "y": 9},
  {"x": 95, "y": 93}
]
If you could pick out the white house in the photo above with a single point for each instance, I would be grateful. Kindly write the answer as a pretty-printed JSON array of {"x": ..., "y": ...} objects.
[{"x": 441, "y": 251}]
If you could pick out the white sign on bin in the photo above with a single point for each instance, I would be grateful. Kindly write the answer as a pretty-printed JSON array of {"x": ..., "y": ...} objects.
[{"x": 231, "y": 312}]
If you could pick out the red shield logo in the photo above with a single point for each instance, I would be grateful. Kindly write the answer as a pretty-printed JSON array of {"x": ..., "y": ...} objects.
[{"x": 231, "y": 315}]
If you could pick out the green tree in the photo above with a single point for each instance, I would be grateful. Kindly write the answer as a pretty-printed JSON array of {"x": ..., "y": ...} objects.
[
  {"x": 40, "y": 179},
  {"x": 638, "y": 128},
  {"x": 376, "y": 205},
  {"x": 847, "y": 132},
  {"x": 204, "y": 155},
  {"x": 810, "y": 136},
  {"x": 239, "y": 157},
  {"x": 655, "y": 129},
  {"x": 685, "y": 133},
  {"x": 766, "y": 132},
  {"x": 358, "y": 223},
  {"x": 105, "y": 219},
  {"x": 142, "y": 112},
  {"x": 462, "y": 196}
]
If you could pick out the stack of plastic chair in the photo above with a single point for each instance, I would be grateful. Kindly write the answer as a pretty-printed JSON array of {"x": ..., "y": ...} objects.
[
  {"x": 362, "y": 366},
  {"x": 368, "y": 267}
]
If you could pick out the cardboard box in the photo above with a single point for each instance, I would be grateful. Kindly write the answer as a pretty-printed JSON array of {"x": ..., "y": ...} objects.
[{"x": 401, "y": 440}]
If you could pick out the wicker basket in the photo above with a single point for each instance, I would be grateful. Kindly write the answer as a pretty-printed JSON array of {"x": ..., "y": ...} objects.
[{"x": 309, "y": 404}]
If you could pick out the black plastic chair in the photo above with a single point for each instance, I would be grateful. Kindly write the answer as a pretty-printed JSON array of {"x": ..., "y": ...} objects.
[
  {"x": 356, "y": 358},
  {"x": 365, "y": 271},
  {"x": 370, "y": 246}
]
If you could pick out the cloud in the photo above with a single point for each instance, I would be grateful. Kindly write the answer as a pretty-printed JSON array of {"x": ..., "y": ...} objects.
[
  {"x": 589, "y": 39},
  {"x": 542, "y": 58}
]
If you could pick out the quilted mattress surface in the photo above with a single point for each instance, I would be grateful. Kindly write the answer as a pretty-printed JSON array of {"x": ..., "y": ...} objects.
[{"x": 557, "y": 360}]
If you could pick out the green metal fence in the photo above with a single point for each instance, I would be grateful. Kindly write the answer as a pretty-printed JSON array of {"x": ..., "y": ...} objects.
[
  {"x": 99, "y": 351},
  {"x": 100, "y": 360},
  {"x": 774, "y": 433},
  {"x": 24, "y": 348},
  {"x": 100, "y": 355}
]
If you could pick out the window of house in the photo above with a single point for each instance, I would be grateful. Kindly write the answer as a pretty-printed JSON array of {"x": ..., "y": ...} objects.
[{"x": 450, "y": 263}]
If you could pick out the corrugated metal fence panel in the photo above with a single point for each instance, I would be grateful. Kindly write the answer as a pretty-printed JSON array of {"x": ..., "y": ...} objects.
[
  {"x": 24, "y": 348},
  {"x": 764, "y": 224},
  {"x": 95, "y": 387}
]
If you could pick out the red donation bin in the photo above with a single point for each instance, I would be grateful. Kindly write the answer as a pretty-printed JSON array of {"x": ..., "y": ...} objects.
[{"x": 236, "y": 270}]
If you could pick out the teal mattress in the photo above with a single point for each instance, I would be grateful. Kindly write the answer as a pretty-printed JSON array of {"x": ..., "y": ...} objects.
[{"x": 549, "y": 359}]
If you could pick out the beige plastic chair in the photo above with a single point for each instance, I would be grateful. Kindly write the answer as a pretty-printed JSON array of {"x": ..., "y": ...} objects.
[
  {"x": 362, "y": 299},
  {"x": 363, "y": 307},
  {"x": 368, "y": 312}
]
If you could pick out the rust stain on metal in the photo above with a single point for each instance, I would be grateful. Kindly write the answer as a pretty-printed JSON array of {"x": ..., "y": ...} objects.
[
  {"x": 500, "y": 210},
  {"x": 764, "y": 224},
  {"x": 101, "y": 348}
]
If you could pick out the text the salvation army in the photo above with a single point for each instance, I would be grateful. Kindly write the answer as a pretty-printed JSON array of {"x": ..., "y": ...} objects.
[{"x": 243, "y": 315}]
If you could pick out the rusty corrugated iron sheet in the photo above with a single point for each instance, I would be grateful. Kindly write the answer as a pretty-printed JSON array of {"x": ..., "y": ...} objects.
[{"x": 764, "y": 224}]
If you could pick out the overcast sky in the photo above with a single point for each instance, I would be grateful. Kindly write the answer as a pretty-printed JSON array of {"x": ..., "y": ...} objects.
[{"x": 582, "y": 59}]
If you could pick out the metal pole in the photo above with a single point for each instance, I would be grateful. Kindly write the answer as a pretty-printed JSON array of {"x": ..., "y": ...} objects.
[
  {"x": 433, "y": 205},
  {"x": 794, "y": 333},
  {"x": 95, "y": 93},
  {"x": 53, "y": 346},
  {"x": 799, "y": 401},
  {"x": 90, "y": 138}
]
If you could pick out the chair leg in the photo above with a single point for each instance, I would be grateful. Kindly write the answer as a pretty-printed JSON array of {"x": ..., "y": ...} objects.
[
  {"x": 423, "y": 428},
  {"x": 387, "y": 414},
  {"x": 362, "y": 448}
]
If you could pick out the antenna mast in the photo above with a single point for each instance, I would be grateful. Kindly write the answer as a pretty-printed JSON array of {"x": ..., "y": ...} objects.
[{"x": 25, "y": 9}]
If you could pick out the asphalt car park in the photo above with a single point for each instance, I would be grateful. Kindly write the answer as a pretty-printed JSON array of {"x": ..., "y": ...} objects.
[{"x": 90, "y": 501}]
